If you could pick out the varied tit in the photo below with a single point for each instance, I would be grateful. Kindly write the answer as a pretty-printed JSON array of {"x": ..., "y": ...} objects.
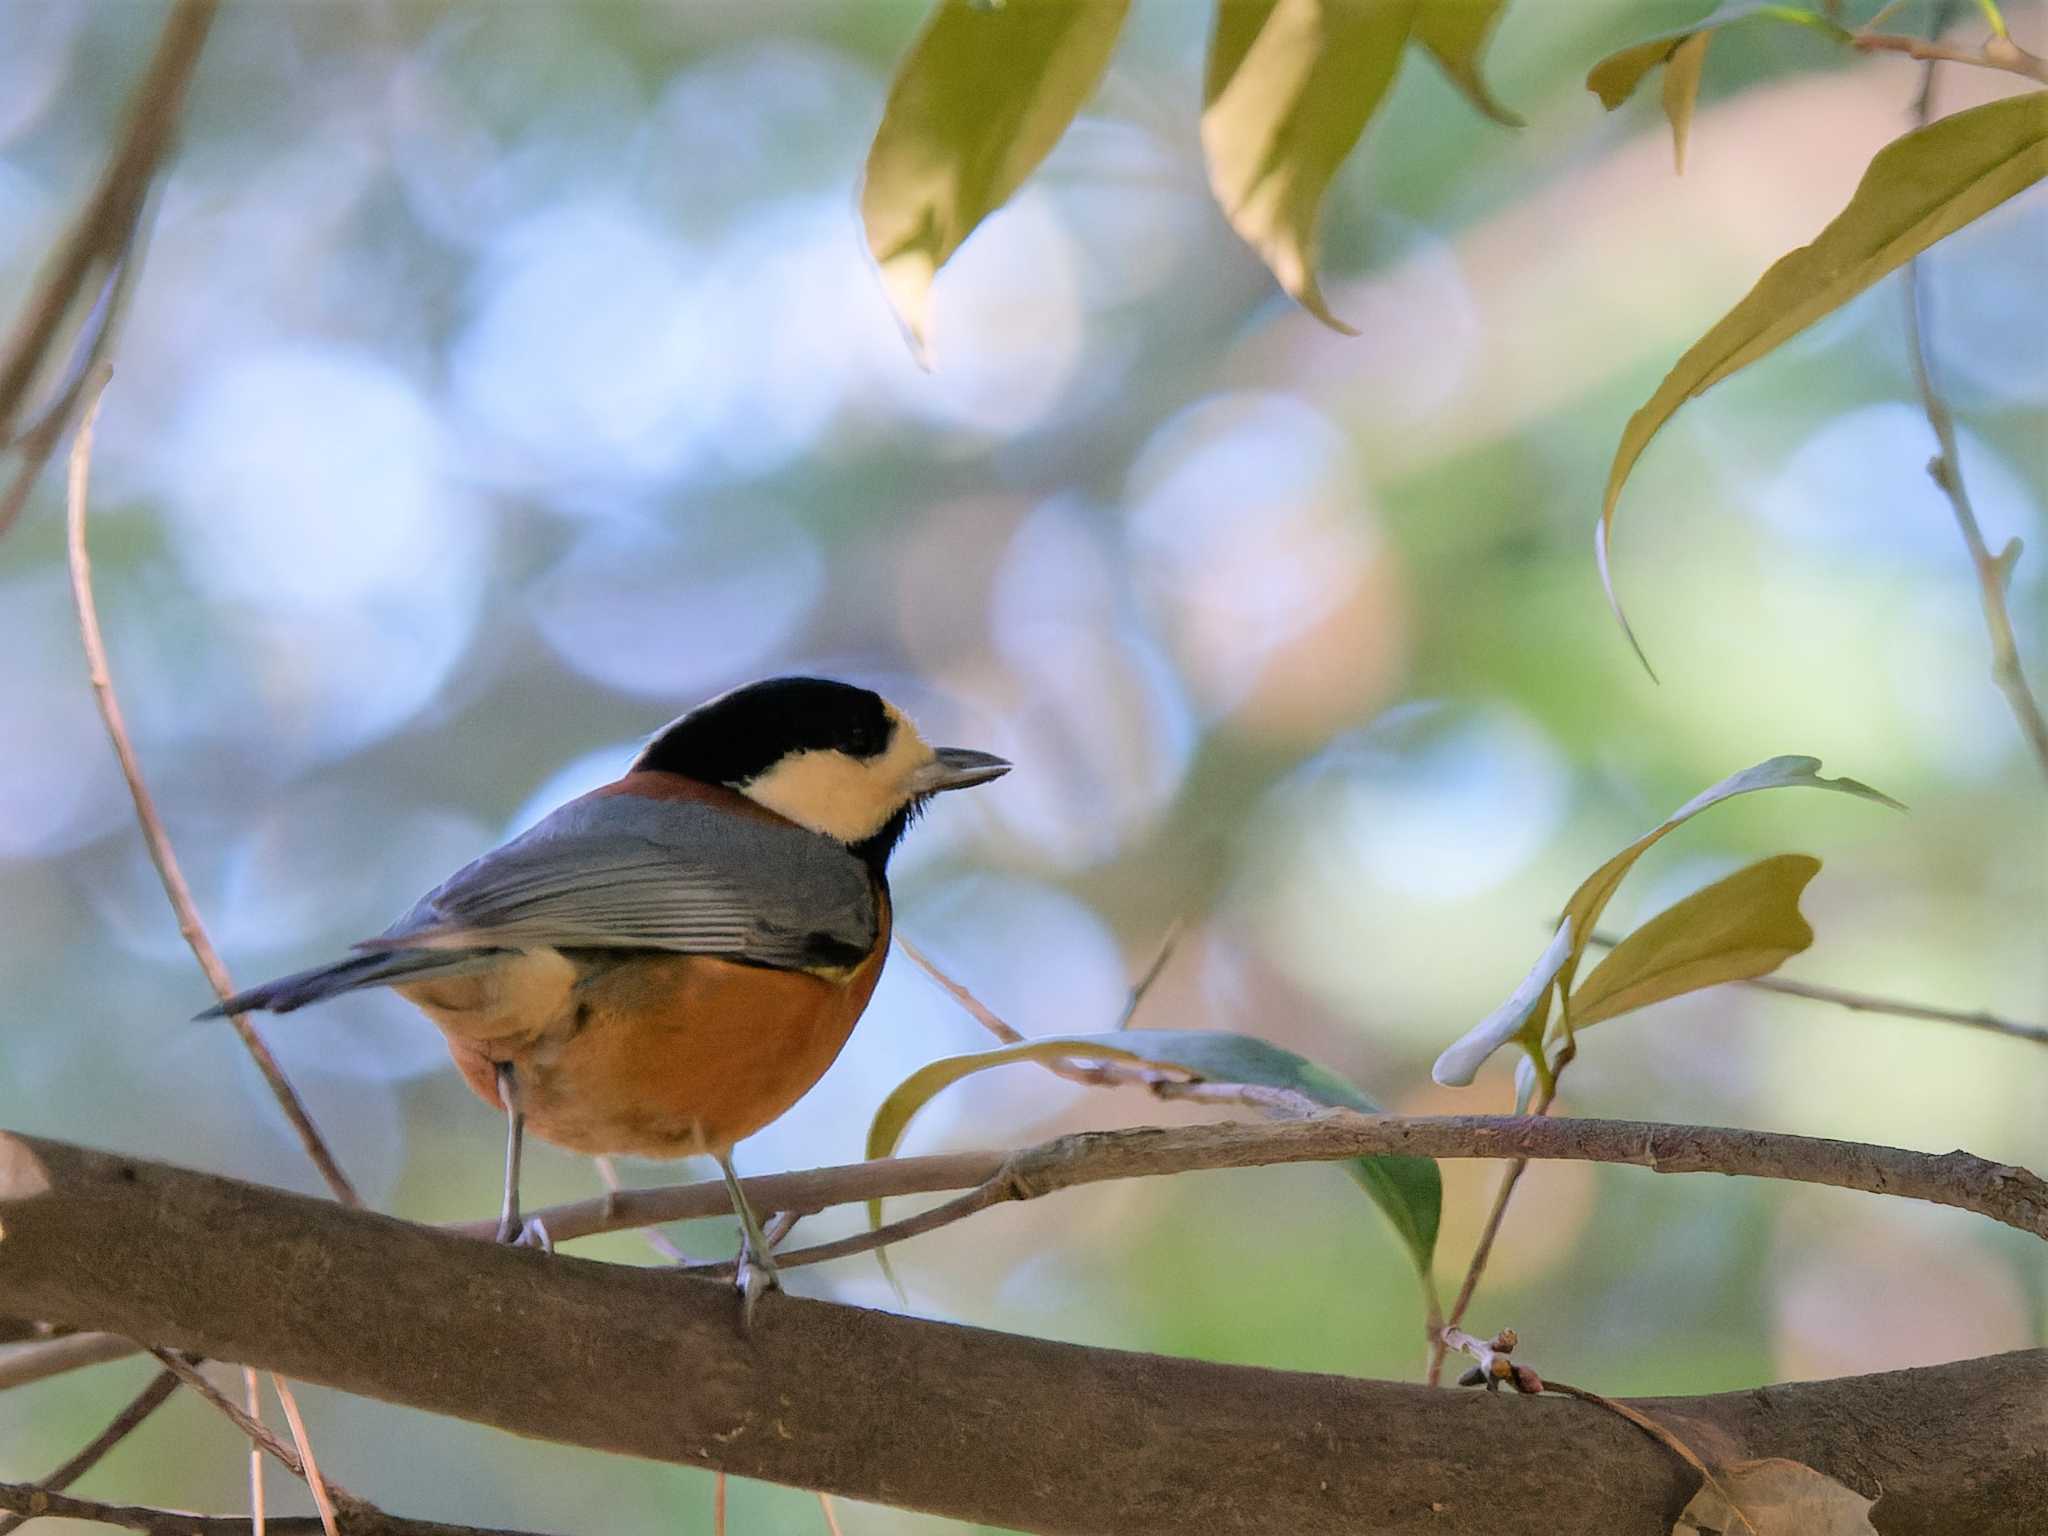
[{"x": 666, "y": 964}]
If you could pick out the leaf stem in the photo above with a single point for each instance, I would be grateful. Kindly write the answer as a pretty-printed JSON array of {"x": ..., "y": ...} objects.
[{"x": 1866, "y": 1002}]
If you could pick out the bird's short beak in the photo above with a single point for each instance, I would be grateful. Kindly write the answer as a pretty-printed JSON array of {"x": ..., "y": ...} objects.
[{"x": 957, "y": 768}]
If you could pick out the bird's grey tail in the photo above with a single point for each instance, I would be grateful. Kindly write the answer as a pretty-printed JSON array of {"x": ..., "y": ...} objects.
[{"x": 379, "y": 970}]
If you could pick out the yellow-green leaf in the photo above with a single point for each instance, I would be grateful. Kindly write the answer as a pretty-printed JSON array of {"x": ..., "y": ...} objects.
[
  {"x": 1776, "y": 1497},
  {"x": 1407, "y": 1189},
  {"x": 1591, "y": 898},
  {"x": 1743, "y": 926},
  {"x": 1682, "y": 91},
  {"x": 1525, "y": 1015},
  {"x": 1291, "y": 85},
  {"x": 1919, "y": 188},
  {"x": 1615, "y": 78},
  {"x": 982, "y": 96},
  {"x": 1455, "y": 33}
]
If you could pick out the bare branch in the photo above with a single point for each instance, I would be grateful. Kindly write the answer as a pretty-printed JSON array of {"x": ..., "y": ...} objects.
[
  {"x": 2004, "y": 1193},
  {"x": 1037, "y": 1435},
  {"x": 2000, "y": 53},
  {"x": 258, "y": 1432},
  {"x": 1869, "y": 1002},
  {"x": 27, "y": 1503},
  {"x": 100, "y": 239},
  {"x": 324, "y": 1492},
  {"x": 1946, "y": 467},
  {"x": 161, "y": 853},
  {"x": 252, "y": 1400},
  {"x": 140, "y": 1407}
]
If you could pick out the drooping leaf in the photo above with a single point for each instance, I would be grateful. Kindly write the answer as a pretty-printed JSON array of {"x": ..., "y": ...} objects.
[
  {"x": 1407, "y": 1189},
  {"x": 1528, "y": 1005},
  {"x": 1592, "y": 896},
  {"x": 1743, "y": 926},
  {"x": 1777, "y": 1498},
  {"x": 1615, "y": 78},
  {"x": 982, "y": 96},
  {"x": 1682, "y": 91},
  {"x": 1919, "y": 188},
  {"x": 1455, "y": 33},
  {"x": 1291, "y": 85}
]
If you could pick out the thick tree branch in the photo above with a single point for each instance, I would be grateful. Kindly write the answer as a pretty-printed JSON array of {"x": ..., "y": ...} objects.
[
  {"x": 982, "y": 1426},
  {"x": 2007, "y": 1194}
]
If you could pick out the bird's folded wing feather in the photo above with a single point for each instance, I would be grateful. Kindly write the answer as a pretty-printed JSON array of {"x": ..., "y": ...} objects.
[{"x": 622, "y": 871}]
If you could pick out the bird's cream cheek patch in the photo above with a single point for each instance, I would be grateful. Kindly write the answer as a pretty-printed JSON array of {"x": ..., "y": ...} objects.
[{"x": 847, "y": 798}]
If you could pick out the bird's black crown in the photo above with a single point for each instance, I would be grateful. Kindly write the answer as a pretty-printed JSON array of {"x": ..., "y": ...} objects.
[{"x": 740, "y": 735}]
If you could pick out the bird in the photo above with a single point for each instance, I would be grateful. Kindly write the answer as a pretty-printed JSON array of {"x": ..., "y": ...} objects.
[{"x": 666, "y": 964}]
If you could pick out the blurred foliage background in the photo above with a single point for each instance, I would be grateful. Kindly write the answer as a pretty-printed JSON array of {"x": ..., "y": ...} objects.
[{"x": 502, "y": 380}]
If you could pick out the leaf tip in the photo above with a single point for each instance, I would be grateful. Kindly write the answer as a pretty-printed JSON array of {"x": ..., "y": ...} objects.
[
  {"x": 1613, "y": 601},
  {"x": 907, "y": 282},
  {"x": 1308, "y": 293}
]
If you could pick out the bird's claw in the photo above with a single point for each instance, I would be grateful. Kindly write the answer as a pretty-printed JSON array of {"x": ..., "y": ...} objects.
[
  {"x": 531, "y": 1233},
  {"x": 752, "y": 1278}
]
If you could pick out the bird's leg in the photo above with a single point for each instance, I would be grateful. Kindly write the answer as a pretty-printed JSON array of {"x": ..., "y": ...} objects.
[
  {"x": 520, "y": 1234},
  {"x": 755, "y": 1271}
]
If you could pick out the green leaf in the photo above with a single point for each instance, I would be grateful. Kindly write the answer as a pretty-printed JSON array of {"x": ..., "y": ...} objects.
[
  {"x": 1455, "y": 33},
  {"x": 1291, "y": 85},
  {"x": 981, "y": 98},
  {"x": 1740, "y": 927},
  {"x": 1919, "y": 188},
  {"x": 1407, "y": 1189}
]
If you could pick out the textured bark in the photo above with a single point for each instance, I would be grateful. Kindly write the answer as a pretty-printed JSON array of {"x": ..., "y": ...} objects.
[{"x": 985, "y": 1426}]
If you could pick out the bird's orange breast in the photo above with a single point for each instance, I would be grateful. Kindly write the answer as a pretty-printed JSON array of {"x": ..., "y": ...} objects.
[{"x": 664, "y": 1055}]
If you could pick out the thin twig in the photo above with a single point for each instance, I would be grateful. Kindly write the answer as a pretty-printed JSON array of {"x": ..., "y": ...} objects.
[
  {"x": 1866, "y": 1002},
  {"x": 140, "y": 1407},
  {"x": 259, "y": 1433},
  {"x": 252, "y": 1399},
  {"x": 29, "y": 1502},
  {"x": 25, "y": 1364},
  {"x": 2000, "y": 53},
  {"x": 831, "y": 1516},
  {"x": 2007, "y": 1194},
  {"x": 296, "y": 1458},
  {"x": 1946, "y": 470},
  {"x": 608, "y": 1171},
  {"x": 323, "y": 1491},
  {"x": 98, "y": 239},
  {"x": 1167, "y": 945},
  {"x": 1662, "y": 1436},
  {"x": 718, "y": 1503},
  {"x": 38, "y": 441},
  {"x": 1482, "y": 1251},
  {"x": 161, "y": 852}
]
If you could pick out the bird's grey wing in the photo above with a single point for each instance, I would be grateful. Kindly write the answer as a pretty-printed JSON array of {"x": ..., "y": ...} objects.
[{"x": 624, "y": 871}]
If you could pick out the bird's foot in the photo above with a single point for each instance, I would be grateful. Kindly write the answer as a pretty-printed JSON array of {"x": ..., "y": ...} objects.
[
  {"x": 530, "y": 1233},
  {"x": 753, "y": 1275}
]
